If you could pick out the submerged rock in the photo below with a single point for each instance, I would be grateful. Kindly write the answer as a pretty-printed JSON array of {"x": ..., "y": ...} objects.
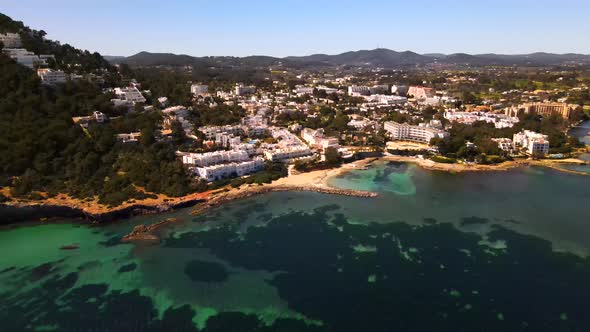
[{"x": 145, "y": 233}]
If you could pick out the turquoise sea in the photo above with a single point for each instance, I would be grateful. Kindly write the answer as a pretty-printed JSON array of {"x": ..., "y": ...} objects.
[{"x": 493, "y": 251}]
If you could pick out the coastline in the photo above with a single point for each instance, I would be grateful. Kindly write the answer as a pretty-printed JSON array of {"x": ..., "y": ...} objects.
[
  {"x": 314, "y": 181},
  {"x": 63, "y": 206},
  {"x": 504, "y": 166}
]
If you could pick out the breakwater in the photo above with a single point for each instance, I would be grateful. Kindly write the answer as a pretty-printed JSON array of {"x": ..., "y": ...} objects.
[{"x": 222, "y": 198}]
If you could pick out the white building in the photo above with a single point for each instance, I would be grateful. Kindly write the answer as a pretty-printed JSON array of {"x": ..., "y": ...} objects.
[
  {"x": 329, "y": 90},
  {"x": 379, "y": 89},
  {"x": 211, "y": 131},
  {"x": 405, "y": 132},
  {"x": 241, "y": 90},
  {"x": 131, "y": 94},
  {"x": 359, "y": 124},
  {"x": 10, "y": 40},
  {"x": 199, "y": 90},
  {"x": 303, "y": 90},
  {"x": 535, "y": 144},
  {"x": 128, "y": 138},
  {"x": 51, "y": 77},
  {"x": 505, "y": 144},
  {"x": 212, "y": 158},
  {"x": 318, "y": 140},
  {"x": 84, "y": 121},
  {"x": 287, "y": 154},
  {"x": 217, "y": 172},
  {"x": 227, "y": 140},
  {"x": 400, "y": 90},
  {"x": 358, "y": 90},
  {"x": 163, "y": 101},
  {"x": 386, "y": 99},
  {"x": 420, "y": 92},
  {"x": 26, "y": 58},
  {"x": 499, "y": 120}
]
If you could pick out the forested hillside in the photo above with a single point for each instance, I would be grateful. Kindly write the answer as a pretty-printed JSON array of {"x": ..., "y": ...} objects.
[
  {"x": 44, "y": 152},
  {"x": 67, "y": 57}
]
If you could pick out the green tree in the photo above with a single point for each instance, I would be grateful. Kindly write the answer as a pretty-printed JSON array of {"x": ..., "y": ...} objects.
[{"x": 332, "y": 156}]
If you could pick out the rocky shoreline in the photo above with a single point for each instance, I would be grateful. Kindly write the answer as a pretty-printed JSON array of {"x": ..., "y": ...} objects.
[{"x": 10, "y": 214}]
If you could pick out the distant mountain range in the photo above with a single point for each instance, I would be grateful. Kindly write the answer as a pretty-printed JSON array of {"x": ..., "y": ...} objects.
[{"x": 364, "y": 58}]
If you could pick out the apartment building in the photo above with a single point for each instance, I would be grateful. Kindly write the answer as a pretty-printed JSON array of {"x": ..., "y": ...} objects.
[
  {"x": 130, "y": 94},
  {"x": 405, "y": 132},
  {"x": 217, "y": 172},
  {"x": 199, "y": 90},
  {"x": 400, "y": 90},
  {"x": 543, "y": 109},
  {"x": 379, "y": 89},
  {"x": 26, "y": 58},
  {"x": 51, "y": 77},
  {"x": 505, "y": 144},
  {"x": 10, "y": 40},
  {"x": 358, "y": 90},
  {"x": 534, "y": 144},
  {"x": 211, "y": 131},
  {"x": 241, "y": 90},
  {"x": 287, "y": 154},
  {"x": 318, "y": 140},
  {"x": 499, "y": 120},
  {"x": 420, "y": 92},
  {"x": 303, "y": 90},
  {"x": 212, "y": 158}
]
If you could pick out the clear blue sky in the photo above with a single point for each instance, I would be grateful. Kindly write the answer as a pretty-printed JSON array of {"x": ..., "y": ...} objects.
[{"x": 291, "y": 27}]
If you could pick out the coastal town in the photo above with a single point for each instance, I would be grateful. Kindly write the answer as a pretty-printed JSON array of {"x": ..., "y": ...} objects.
[
  {"x": 292, "y": 166},
  {"x": 290, "y": 121}
]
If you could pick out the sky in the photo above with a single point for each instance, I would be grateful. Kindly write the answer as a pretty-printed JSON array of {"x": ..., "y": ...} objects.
[{"x": 290, "y": 27}]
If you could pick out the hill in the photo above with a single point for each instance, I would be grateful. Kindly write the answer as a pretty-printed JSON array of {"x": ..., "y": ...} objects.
[{"x": 363, "y": 58}]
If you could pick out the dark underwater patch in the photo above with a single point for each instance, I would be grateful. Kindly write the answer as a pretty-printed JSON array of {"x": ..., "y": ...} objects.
[
  {"x": 264, "y": 217},
  {"x": 112, "y": 241},
  {"x": 512, "y": 221},
  {"x": 128, "y": 268},
  {"x": 41, "y": 271},
  {"x": 413, "y": 273},
  {"x": 467, "y": 221},
  {"x": 430, "y": 221},
  {"x": 202, "y": 271}
]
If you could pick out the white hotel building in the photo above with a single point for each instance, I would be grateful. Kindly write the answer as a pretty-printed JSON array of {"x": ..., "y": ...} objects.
[
  {"x": 533, "y": 143},
  {"x": 217, "y": 157},
  {"x": 405, "y": 132},
  {"x": 216, "y": 172}
]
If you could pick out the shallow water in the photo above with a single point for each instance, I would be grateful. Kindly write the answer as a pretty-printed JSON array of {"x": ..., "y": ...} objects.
[
  {"x": 498, "y": 251},
  {"x": 582, "y": 132}
]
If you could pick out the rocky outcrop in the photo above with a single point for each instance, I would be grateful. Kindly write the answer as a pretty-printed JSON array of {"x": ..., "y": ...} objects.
[{"x": 143, "y": 233}]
